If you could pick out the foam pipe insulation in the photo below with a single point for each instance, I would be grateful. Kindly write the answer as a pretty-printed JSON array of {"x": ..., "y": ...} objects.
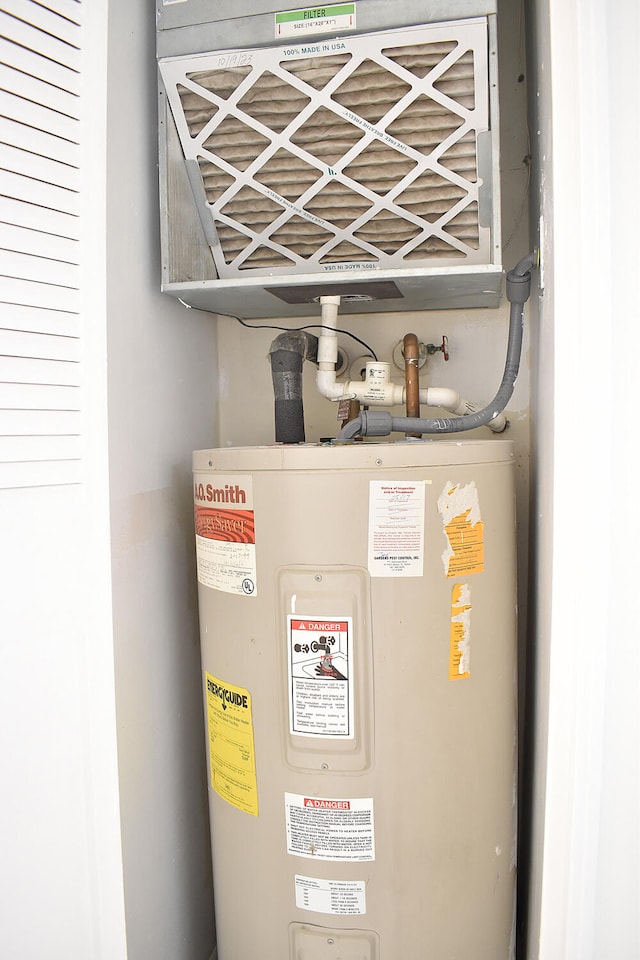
[{"x": 287, "y": 354}]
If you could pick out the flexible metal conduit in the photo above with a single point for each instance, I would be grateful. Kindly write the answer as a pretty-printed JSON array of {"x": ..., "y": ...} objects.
[{"x": 380, "y": 423}]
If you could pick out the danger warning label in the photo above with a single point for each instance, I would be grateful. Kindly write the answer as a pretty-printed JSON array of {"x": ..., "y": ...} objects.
[
  {"x": 329, "y": 829},
  {"x": 321, "y": 694},
  {"x": 327, "y": 804}
]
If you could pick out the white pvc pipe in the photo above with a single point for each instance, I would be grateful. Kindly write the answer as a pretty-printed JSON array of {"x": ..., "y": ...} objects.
[
  {"x": 450, "y": 400},
  {"x": 377, "y": 389},
  {"x": 328, "y": 339},
  {"x": 384, "y": 393}
]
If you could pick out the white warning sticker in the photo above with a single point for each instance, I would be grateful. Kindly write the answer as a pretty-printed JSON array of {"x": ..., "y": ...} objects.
[
  {"x": 325, "y": 828},
  {"x": 338, "y": 897},
  {"x": 321, "y": 677},
  {"x": 396, "y": 528}
]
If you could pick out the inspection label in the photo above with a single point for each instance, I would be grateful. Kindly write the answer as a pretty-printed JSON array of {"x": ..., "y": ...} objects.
[
  {"x": 225, "y": 533},
  {"x": 232, "y": 763},
  {"x": 326, "y": 828},
  {"x": 312, "y": 20},
  {"x": 321, "y": 677},
  {"x": 337, "y": 897},
  {"x": 396, "y": 528}
]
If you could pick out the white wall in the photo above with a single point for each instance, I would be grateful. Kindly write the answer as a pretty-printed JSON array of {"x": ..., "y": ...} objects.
[
  {"x": 162, "y": 400},
  {"x": 585, "y": 878},
  {"x": 617, "y": 887}
]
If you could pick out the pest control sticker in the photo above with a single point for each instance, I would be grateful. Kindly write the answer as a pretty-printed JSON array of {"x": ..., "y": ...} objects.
[
  {"x": 324, "y": 828},
  {"x": 232, "y": 761},
  {"x": 303, "y": 23},
  {"x": 321, "y": 677},
  {"x": 338, "y": 897},
  {"x": 225, "y": 533},
  {"x": 460, "y": 632},
  {"x": 396, "y": 528},
  {"x": 460, "y": 511}
]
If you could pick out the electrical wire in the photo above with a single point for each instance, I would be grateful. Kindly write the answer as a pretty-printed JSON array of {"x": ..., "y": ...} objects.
[{"x": 309, "y": 326}]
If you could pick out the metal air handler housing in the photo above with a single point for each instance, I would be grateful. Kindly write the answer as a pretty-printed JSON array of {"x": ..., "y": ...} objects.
[{"x": 356, "y": 159}]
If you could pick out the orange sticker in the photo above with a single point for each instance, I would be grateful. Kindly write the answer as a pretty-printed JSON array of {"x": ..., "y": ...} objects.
[
  {"x": 464, "y": 529},
  {"x": 466, "y": 540},
  {"x": 460, "y": 632}
]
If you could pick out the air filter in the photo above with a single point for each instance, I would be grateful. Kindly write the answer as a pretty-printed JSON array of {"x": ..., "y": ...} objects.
[{"x": 361, "y": 156}]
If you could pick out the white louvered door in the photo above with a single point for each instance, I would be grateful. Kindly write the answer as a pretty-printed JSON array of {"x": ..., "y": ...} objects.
[{"x": 40, "y": 327}]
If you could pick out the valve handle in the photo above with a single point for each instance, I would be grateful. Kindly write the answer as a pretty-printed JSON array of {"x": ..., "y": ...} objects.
[{"x": 443, "y": 348}]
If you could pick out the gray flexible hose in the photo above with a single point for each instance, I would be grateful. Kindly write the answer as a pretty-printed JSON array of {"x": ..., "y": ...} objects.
[{"x": 380, "y": 423}]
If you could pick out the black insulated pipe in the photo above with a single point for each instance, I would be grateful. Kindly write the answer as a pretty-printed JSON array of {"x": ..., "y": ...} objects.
[
  {"x": 287, "y": 354},
  {"x": 380, "y": 423}
]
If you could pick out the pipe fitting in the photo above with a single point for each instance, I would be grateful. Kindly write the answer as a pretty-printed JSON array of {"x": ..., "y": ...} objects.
[{"x": 518, "y": 291}]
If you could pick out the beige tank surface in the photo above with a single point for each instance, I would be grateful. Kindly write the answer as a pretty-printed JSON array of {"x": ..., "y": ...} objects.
[{"x": 358, "y": 627}]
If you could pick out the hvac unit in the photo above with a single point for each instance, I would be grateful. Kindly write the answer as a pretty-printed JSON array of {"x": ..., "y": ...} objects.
[{"x": 347, "y": 150}]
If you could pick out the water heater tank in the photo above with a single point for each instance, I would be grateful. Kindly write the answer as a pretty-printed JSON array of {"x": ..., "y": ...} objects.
[{"x": 358, "y": 626}]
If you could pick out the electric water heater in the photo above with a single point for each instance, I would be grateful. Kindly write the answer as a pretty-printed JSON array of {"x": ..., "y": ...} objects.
[{"x": 358, "y": 629}]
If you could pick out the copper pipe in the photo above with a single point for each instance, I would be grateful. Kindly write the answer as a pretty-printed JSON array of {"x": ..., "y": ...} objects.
[{"x": 411, "y": 353}]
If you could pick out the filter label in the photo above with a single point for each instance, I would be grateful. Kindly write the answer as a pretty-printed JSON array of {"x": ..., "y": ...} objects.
[
  {"x": 325, "y": 828},
  {"x": 232, "y": 763},
  {"x": 225, "y": 533},
  {"x": 459, "y": 508},
  {"x": 321, "y": 677},
  {"x": 396, "y": 528},
  {"x": 337, "y": 897},
  {"x": 314, "y": 20}
]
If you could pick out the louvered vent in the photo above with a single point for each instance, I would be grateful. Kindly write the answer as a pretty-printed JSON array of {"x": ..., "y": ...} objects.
[
  {"x": 40, "y": 179},
  {"x": 360, "y": 152}
]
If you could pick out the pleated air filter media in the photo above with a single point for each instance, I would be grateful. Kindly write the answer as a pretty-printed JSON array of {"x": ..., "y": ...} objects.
[{"x": 362, "y": 165}]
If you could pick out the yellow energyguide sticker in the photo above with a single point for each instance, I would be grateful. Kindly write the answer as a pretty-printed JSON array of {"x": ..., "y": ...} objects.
[{"x": 232, "y": 761}]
